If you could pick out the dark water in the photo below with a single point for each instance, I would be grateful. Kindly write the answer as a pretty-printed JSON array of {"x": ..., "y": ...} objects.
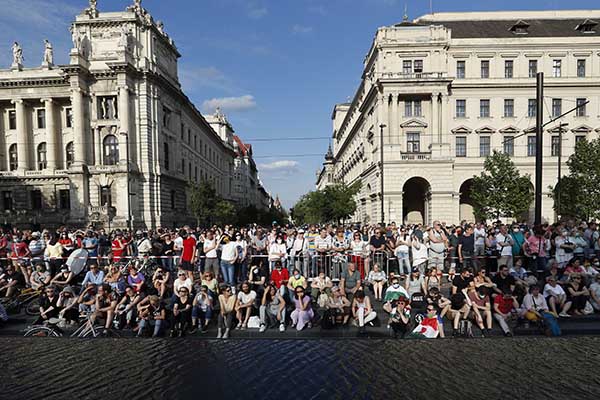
[{"x": 538, "y": 368}]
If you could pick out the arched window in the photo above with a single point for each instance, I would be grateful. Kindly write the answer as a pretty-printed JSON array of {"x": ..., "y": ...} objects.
[
  {"x": 13, "y": 159},
  {"x": 41, "y": 156},
  {"x": 111, "y": 150},
  {"x": 70, "y": 154},
  {"x": 166, "y": 155}
]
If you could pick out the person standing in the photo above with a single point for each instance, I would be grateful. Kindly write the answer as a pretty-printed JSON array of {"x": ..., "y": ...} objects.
[
  {"x": 188, "y": 253},
  {"x": 466, "y": 249},
  {"x": 504, "y": 243},
  {"x": 437, "y": 246},
  {"x": 211, "y": 243}
]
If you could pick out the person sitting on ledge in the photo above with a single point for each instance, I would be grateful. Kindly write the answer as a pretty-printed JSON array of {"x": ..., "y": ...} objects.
[
  {"x": 338, "y": 306},
  {"x": 245, "y": 303},
  {"x": 303, "y": 313},
  {"x": 556, "y": 298},
  {"x": 272, "y": 309},
  {"x": 152, "y": 313},
  {"x": 377, "y": 279},
  {"x": 227, "y": 307},
  {"x": 577, "y": 293},
  {"x": 362, "y": 311},
  {"x": 394, "y": 291},
  {"x": 399, "y": 316},
  {"x": 505, "y": 310}
]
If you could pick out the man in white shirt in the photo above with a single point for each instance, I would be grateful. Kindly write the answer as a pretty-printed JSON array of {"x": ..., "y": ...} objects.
[
  {"x": 299, "y": 252},
  {"x": 229, "y": 255},
  {"x": 504, "y": 246},
  {"x": 210, "y": 252},
  {"x": 479, "y": 233},
  {"x": 322, "y": 247}
]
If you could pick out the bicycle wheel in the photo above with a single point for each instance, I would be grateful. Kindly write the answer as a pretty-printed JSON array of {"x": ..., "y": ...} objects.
[
  {"x": 41, "y": 331},
  {"x": 33, "y": 308},
  {"x": 98, "y": 332}
]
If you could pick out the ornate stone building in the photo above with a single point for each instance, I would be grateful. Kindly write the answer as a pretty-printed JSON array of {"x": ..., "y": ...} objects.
[
  {"x": 110, "y": 138},
  {"x": 449, "y": 88}
]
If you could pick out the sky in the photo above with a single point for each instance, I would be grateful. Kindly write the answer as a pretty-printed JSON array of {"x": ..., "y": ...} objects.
[{"x": 276, "y": 67}]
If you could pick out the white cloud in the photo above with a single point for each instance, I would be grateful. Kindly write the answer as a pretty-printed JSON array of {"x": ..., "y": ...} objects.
[
  {"x": 256, "y": 11},
  {"x": 242, "y": 103},
  {"x": 38, "y": 13},
  {"x": 278, "y": 165},
  {"x": 211, "y": 77},
  {"x": 301, "y": 29}
]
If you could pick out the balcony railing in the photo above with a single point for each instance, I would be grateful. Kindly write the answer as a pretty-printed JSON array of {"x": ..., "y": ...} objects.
[
  {"x": 414, "y": 156},
  {"x": 413, "y": 75}
]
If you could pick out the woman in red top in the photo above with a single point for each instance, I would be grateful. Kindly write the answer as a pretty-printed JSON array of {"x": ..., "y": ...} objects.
[
  {"x": 118, "y": 246},
  {"x": 66, "y": 243},
  {"x": 20, "y": 253}
]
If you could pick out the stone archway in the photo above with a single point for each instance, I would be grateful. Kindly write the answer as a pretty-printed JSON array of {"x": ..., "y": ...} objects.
[
  {"x": 416, "y": 201},
  {"x": 466, "y": 202}
]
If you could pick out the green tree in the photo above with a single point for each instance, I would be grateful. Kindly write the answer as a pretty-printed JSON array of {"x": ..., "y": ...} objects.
[
  {"x": 335, "y": 203},
  {"x": 580, "y": 190},
  {"x": 224, "y": 212},
  {"x": 203, "y": 201},
  {"x": 500, "y": 190}
]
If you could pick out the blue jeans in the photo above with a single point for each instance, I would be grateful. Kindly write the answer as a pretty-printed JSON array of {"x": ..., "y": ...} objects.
[
  {"x": 203, "y": 316},
  {"x": 228, "y": 272},
  {"x": 403, "y": 263},
  {"x": 156, "y": 322}
]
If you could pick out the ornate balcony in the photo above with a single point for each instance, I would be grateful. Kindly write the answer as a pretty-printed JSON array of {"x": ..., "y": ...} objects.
[{"x": 404, "y": 156}]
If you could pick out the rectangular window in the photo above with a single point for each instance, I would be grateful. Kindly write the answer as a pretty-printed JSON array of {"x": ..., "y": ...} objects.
[
  {"x": 461, "y": 108},
  {"x": 407, "y": 67},
  {"x": 485, "y": 69},
  {"x": 556, "y": 107},
  {"x": 413, "y": 142},
  {"x": 166, "y": 118},
  {"x": 484, "y": 146},
  {"x": 531, "y": 146},
  {"x": 418, "y": 67},
  {"x": 12, "y": 119},
  {"x": 183, "y": 166},
  {"x": 484, "y": 108},
  {"x": 581, "y": 68},
  {"x": 508, "y": 68},
  {"x": 69, "y": 117},
  {"x": 36, "y": 199},
  {"x": 172, "y": 199},
  {"x": 105, "y": 196},
  {"x": 581, "y": 111},
  {"x": 460, "y": 69},
  {"x": 417, "y": 110},
  {"x": 7, "y": 200},
  {"x": 557, "y": 68},
  {"x": 64, "y": 199},
  {"x": 531, "y": 108},
  {"x": 408, "y": 107},
  {"x": 41, "y": 118},
  {"x": 533, "y": 68},
  {"x": 509, "y": 145},
  {"x": 579, "y": 138},
  {"x": 166, "y": 155},
  {"x": 555, "y": 149},
  {"x": 509, "y": 108},
  {"x": 461, "y": 146}
]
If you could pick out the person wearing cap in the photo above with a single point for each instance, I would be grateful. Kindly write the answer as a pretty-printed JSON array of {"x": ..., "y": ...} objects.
[{"x": 63, "y": 278}]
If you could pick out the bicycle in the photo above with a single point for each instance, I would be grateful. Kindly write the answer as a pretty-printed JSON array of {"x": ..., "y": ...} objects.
[
  {"x": 27, "y": 297},
  {"x": 85, "y": 330}
]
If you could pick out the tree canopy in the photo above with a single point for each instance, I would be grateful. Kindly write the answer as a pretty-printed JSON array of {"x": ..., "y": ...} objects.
[
  {"x": 335, "y": 203},
  {"x": 579, "y": 192},
  {"x": 500, "y": 190}
]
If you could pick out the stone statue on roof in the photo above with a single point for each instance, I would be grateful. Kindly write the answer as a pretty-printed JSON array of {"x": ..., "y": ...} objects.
[
  {"x": 17, "y": 54},
  {"x": 48, "y": 53},
  {"x": 92, "y": 10}
]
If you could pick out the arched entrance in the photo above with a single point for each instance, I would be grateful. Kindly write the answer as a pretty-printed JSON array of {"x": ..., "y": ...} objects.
[
  {"x": 416, "y": 201},
  {"x": 466, "y": 202}
]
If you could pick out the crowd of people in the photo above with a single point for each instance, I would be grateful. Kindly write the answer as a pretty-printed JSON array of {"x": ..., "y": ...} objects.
[{"x": 286, "y": 276}]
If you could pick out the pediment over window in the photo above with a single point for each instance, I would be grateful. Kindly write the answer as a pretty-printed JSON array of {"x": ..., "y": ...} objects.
[
  {"x": 511, "y": 129},
  {"x": 557, "y": 129},
  {"x": 461, "y": 130},
  {"x": 582, "y": 129},
  {"x": 520, "y": 28},
  {"x": 413, "y": 123},
  {"x": 485, "y": 130}
]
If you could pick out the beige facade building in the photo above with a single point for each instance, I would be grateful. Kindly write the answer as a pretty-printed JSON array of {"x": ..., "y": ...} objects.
[
  {"x": 449, "y": 88},
  {"x": 110, "y": 138}
]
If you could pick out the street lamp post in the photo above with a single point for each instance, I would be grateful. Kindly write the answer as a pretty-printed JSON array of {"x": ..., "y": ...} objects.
[{"x": 381, "y": 172}]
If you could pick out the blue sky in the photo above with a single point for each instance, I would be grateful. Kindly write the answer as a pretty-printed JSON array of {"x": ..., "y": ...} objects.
[{"x": 276, "y": 66}]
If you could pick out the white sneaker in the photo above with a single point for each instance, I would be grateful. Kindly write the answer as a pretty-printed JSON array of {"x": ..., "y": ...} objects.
[
  {"x": 281, "y": 328},
  {"x": 226, "y": 334},
  {"x": 219, "y": 334},
  {"x": 564, "y": 315},
  {"x": 262, "y": 328},
  {"x": 239, "y": 326}
]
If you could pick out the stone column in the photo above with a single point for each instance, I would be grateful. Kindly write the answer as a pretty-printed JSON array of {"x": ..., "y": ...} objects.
[
  {"x": 51, "y": 134},
  {"x": 124, "y": 123},
  {"x": 23, "y": 142},
  {"x": 79, "y": 127},
  {"x": 394, "y": 121},
  {"x": 443, "y": 118},
  {"x": 434, "y": 119},
  {"x": 97, "y": 146}
]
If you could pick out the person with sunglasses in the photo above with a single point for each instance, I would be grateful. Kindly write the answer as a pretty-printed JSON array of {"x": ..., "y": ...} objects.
[
  {"x": 577, "y": 293},
  {"x": 399, "y": 316},
  {"x": 303, "y": 313},
  {"x": 182, "y": 312},
  {"x": 202, "y": 310},
  {"x": 227, "y": 303}
]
